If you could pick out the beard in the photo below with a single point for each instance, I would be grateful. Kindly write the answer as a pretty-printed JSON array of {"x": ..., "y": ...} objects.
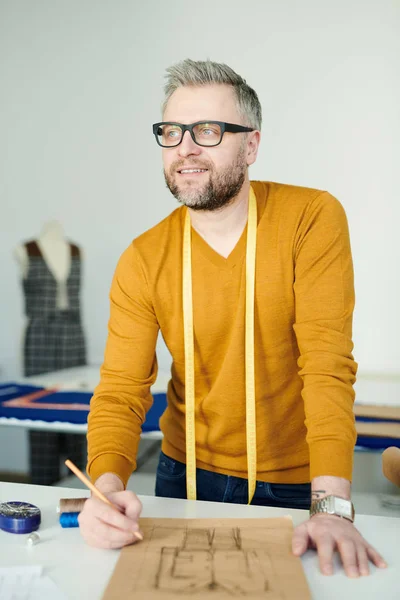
[{"x": 222, "y": 187}]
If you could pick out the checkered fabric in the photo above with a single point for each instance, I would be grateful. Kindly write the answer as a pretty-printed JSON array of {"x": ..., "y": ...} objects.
[
  {"x": 48, "y": 450},
  {"x": 54, "y": 340}
]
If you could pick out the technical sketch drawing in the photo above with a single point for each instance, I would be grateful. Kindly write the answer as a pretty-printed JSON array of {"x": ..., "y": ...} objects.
[{"x": 212, "y": 559}]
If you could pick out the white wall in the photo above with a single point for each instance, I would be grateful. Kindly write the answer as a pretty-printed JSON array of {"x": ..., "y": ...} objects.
[{"x": 81, "y": 84}]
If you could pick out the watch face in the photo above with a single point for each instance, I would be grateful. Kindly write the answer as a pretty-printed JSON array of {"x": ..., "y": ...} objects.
[{"x": 343, "y": 507}]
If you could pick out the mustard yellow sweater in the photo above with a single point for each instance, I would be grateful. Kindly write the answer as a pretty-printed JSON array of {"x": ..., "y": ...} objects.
[{"x": 304, "y": 366}]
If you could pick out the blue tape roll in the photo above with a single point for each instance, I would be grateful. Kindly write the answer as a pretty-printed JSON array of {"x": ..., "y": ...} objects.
[
  {"x": 19, "y": 517},
  {"x": 69, "y": 519}
]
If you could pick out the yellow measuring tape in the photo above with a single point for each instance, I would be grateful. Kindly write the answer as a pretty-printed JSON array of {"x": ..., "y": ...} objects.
[
  {"x": 189, "y": 362},
  {"x": 249, "y": 347}
]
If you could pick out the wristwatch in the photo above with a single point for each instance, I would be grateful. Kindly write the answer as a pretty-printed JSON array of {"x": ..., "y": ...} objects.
[{"x": 333, "y": 505}]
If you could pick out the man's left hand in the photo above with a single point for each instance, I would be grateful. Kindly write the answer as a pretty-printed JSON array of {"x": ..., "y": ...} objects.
[{"x": 326, "y": 533}]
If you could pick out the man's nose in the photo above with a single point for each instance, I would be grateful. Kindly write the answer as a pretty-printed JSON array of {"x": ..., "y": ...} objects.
[{"x": 188, "y": 146}]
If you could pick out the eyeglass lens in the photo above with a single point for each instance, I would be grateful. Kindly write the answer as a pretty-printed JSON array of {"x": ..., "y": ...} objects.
[{"x": 205, "y": 134}]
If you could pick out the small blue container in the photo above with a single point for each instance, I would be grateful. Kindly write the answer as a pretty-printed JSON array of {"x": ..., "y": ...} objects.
[{"x": 19, "y": 517}]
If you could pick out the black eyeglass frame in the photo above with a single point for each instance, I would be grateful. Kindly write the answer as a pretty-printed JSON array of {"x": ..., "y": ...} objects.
[{"x": 229, "y": 127}]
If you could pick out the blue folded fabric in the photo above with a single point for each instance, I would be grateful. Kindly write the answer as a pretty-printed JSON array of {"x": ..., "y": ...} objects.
[
  {"x": 73, "y": 414},
  {"x": 377, "y": 443},
  {"x": 70, "y": 407},
  {"x": 377, "y": 420}
]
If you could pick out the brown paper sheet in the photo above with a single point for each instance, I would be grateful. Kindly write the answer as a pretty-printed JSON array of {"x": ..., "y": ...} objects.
[{"x": 210, "y": 559}]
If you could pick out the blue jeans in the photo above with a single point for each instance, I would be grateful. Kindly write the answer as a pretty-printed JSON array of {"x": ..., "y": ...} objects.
[{"x": 214, "y": 487}]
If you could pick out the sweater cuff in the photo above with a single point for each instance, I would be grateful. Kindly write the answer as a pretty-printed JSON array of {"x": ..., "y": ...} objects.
[
  {"x": 333, "y": 459},
  {"x": 110, "y": 463}
]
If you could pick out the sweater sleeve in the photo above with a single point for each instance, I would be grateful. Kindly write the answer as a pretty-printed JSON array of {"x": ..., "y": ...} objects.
[
  {"x": 324, "y": 300},
  {"x": 122, "y": 398}
]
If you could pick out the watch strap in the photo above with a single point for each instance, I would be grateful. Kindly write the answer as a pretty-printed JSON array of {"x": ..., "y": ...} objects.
[{"x": 333, "y": 505}]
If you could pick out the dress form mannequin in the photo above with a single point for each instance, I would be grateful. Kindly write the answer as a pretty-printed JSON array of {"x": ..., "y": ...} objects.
[
  {"x": 53, "y": 338},
  {"x": 57, "y": 255}
]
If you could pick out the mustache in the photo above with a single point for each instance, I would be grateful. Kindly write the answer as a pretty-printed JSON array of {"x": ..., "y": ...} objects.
[{"x": 178, "y": 164}]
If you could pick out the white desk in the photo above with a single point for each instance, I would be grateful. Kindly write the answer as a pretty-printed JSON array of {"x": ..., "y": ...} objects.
[{"x": 83, "y": 572}]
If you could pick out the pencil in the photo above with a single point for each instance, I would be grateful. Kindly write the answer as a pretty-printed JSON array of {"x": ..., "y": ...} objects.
[{"x": 94, "y": 489}]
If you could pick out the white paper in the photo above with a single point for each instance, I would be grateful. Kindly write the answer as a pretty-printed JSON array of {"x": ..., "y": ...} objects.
[{"x": 27, "y": 583}]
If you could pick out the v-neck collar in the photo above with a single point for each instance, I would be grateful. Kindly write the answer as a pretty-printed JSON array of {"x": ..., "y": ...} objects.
[{"x": 238, "y": 252}]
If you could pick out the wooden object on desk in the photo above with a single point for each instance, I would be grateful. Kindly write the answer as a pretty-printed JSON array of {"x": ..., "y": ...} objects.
[
  {"x": 377, "y": 412},
  {"x": 389, "y": 427},
  {"x": 391, "y": 464},
  {"x": 378, "y": 429}
]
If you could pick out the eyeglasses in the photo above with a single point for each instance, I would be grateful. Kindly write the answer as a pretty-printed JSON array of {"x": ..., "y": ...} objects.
[{"x": 204, "y": 133}]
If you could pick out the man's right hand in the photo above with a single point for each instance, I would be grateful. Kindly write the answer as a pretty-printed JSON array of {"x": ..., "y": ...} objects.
[{"x": 104, "y": 527}]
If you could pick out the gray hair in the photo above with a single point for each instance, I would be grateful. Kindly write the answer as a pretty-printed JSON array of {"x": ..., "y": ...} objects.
[{"x": 196, "y": 73}]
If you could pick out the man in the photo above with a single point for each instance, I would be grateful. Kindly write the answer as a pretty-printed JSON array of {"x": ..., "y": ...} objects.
[{"x": 273, "y": 404}]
